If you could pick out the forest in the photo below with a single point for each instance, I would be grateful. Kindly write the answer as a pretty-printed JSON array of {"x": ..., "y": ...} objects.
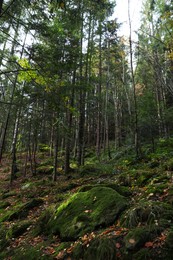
[{"x": 86, "y": 131}]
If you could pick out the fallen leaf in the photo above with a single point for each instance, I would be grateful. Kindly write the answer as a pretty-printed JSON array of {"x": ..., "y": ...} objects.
[
  {"x": 149, "y": 244},
  {"x": 49, "y": 250},
  {"x": 118, "y": 245},
  {"x": 60, "y": 255},
  {"x": 70, "y": 249},
  {"x": 118, "y": 255},
  {"x": 132, "y": 241},
  {"x": 88, "y": 211}
]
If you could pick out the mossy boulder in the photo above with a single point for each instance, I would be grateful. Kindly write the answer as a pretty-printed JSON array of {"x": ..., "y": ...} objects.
[
  {"x": 27, "y": 252},
  {"x": 86, "y": 211},
  {"x": 21, "y": 211},
  {"x": 169, "y": 240},
  {"x": 143, "y": 254},
  {"x": 3, "y": 239},
  {"x": 136, "y": 238},
  {"x": 8, "y": 194},
  {"x": 4, "y": 204},
  {"x": 148, "y": 213},
  {"x": 18, "y": 229},
  {"x": 98, "y": 249},
  {"x": 122, "y": 190}
]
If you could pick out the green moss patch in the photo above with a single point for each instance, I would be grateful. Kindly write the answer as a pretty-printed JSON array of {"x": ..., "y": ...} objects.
[
  {"x": 22, "y": 211},
  {"x": 99, "y": 249},
  {"x": 18, "y": 229},
  {"x": 122, "y": 190},
  {"x": 136, "y": 238},
  {"x": 86, "y": 211},
  {"x": 4, "y": 204},
  {"x": 157, "y": 213}
]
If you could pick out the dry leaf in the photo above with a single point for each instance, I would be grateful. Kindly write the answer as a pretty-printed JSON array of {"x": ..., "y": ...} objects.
[
  {"x": 149, "y": 244},
  {"x": 132, "y": 241},
  {"x": 70, "y": 249},
  {"x": 60, "y": 255},
  {"x": 118, "y": 245},
  {"x": 88, "y": 211},
  {"x": 49, "y": 250}
]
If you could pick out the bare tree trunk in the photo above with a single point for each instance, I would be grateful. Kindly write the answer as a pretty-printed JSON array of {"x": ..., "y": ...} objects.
[
  {"x": 80, "y": 154},
  {"x": 98, "y": 131},
  {"x": 136, "y": 132},
  {"x": 69, "y": 130},
  {"x": 55, "y": 155},
  {"x": 1, "y": 4},
  {"x": 4, "y": 128}
]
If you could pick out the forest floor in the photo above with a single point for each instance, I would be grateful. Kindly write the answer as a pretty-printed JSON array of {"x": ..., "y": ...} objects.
[{"x": 143, "y": 230}]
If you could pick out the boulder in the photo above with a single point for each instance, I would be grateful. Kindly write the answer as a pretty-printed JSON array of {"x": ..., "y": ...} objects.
[{"x": 87, "y": 211}]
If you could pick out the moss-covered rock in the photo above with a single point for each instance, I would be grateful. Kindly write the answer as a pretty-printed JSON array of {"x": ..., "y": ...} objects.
[
  {"x": 86, "y": 211},
  {"x": 18, "y": 229},
  {"x": 41, "y": 224},
  {"x": 149, "y": 213},
  {"x": 99, "y": 249},
  {"x": 143, "y": 254},
  {"x": 29, "y": 253},
  {"x": 136, "y": 238},
  {"x": 122, "y": 190},
  {"x": 3, "y": 239},
  {"x": 9, "y": 194},
  {"x": 169, "y": 240},
  {"x": 4, "y": 204},
  {"x": 21, "y": 211}
]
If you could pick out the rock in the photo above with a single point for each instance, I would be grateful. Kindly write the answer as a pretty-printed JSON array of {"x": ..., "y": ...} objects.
[
  {"x": 97, "y": 249},
  {"x": 4, "y": 204},
  {"x": 22, "y": 211},
  {"x": 86, "y": 211},
  {"x": 136, "y": 238},
  {"x": 18, "y": 229}
]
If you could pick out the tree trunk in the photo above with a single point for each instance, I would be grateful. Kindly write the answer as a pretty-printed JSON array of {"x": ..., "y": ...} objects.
[
  {"x": 136, "y": 132},
  {"x": 98, "y": 130}
]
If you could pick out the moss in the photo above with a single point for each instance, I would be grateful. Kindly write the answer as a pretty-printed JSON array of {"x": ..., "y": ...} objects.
[
  {"x": 45, "y": 169},
  {"x": 29, "y": 253},
  {"x": 98, "y": 249},
  {"x": 4, "y": 204},
  {"x": 67, "y": 187},
  {"x": 9, "y": 194},
  {"x": 18, "y": 229},
  {"x": 101, "y": 249},
  {"x": 62, "y": 246},
  {"x": 136, "y": 238},
  {"x": 143, "y": 254},
  {"x": 168, "y": 165},
  {"x": 3, "y": 240},
  {"x": 169, "y": 239},
  {"x": 148, "y": 213},
  {"x": 89, "y": 170},
  {"x": 42, "y": 222},
  {"x": 122, "y": 190},
  {"x": 144, "y": 177},
  {"x": 22, "y": 211},
  {"x": 86, "y": 211}
]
